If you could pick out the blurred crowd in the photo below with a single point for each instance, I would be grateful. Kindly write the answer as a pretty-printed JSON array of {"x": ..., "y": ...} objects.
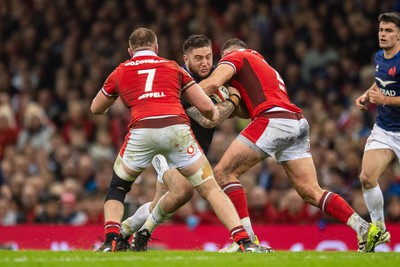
[{"x": 56, "y": 157}]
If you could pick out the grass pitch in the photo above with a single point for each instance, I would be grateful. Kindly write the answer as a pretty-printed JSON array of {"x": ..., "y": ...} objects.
[{"x": 195, "y": 259}]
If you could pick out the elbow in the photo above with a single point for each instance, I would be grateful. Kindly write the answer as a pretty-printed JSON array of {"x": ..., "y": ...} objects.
[
  {"x": 95, "y": 109},
  {"x": 207, "y": 124}
]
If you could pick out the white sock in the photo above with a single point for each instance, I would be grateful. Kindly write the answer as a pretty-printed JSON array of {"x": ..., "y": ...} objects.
[
  {"x": 358, "y": 224},
  {"x": 157, "y": 217},
  {"x": 247, "y": 226},
  {"x": 133, "y": 223},
  {"x": 374, "y": 201}
]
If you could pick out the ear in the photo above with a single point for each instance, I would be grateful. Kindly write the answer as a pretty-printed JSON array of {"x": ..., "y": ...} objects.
[
  {"x": 130, "y": 52},
  {"x": 185, "y": 58},
  {"x": 156, "y": 49}
]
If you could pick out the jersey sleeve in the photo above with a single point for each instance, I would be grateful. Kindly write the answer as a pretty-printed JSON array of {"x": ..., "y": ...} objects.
[
  {"x": 109, "y": 87},
  {"x": 232, "y": 59},
  {"x": 187, "y": 80}
]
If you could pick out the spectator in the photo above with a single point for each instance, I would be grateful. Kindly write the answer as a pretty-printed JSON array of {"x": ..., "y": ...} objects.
[
  {"x": 51, "y": 211},
  {"x": 393, "y": 209},
  {"x": 8, "y": 126},
  {"x": 8, "y": 214},
  {"x": 36, "y": 131},
  {"x": 54, "y": 61},
  {"x": 261, "y": 210},
  {"x": 70, "y": 213},
  {"x": 294, "y": 210},
  {"x": 29, "y": 206}
]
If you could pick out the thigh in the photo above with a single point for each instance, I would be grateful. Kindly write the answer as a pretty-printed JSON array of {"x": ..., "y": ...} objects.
[
  {"x": 271, "y": 137},
  {"x": 303, "y": 175},
  {"x": 138, "y": 148},
  {"x": 380, "y": 150},
  {"x": 300, "y": 147},
  {"x": 240, "y": 156},
  {"x": 176, "y": 143},
  {"x": 180, "y": 146},
  {"x": 381, "y": 139},
  {"x": 375, "y": 161}
]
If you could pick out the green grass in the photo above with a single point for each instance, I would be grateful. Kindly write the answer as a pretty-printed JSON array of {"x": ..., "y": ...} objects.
[{"x": 196, "y": 259}]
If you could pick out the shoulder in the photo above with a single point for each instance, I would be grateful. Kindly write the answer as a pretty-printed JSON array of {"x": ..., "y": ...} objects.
[{"x": 379, "y": 55}]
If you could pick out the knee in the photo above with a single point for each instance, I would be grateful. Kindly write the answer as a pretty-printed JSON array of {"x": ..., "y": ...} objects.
[
  {"x": 222, "y": 177},
  {"x": 118, "y": 188},
  {"x": 185, "y": 192},
  {"x": 218, "y": 172},
  {"x": 311, "y": 196},
  {"x": 181, "y": 190},
  {"x": 366, "y": 180}
]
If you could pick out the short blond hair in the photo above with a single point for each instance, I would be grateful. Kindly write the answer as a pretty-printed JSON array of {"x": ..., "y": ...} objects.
[{"x": 142, "y": 37}]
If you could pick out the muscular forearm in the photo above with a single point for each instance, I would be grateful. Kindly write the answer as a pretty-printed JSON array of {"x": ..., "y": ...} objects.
[
  {"x": 391, "y": 101},
  {"x": 225, "y": 109}
]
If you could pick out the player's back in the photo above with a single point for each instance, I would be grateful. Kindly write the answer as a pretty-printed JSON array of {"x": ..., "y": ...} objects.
[
  {"x": 260, "y": 85},
  {"x": 151, "y": 86}
]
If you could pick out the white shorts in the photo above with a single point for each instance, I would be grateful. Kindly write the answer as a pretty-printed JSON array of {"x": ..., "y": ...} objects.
[
  {"x": 381, "y": 139},
  {"x": 283, "y": 139},
  {"x": 177, "y": 143}
]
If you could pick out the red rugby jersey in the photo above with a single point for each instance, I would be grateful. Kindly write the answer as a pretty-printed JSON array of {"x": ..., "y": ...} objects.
[
  {"x": 149, "y": 86},
  {"x": 260, "y": 85}
]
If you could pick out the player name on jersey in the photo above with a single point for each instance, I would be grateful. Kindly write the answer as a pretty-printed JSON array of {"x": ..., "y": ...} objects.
[{"x": 152, "y": 95}]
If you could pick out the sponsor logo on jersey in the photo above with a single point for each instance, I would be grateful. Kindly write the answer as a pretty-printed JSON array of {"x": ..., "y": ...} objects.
[
  {"x": 145, "y": 61},
  {"x": 190, "y": 150},
  {"x": 384, "y": 83}
]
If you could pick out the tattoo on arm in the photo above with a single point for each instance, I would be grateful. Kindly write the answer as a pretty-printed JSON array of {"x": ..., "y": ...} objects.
[{"x": 225, "y": 109}]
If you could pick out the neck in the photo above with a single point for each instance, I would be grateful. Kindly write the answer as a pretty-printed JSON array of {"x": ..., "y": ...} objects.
[{"x": 391, "y": 52}]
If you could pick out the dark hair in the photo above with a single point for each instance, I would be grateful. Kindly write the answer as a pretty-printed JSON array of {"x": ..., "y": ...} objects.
[
  {"x": 142, "y": 37},
  {"x": 195, "y": 41},
  {"x": 390, "y": 17},
  {"x": 233, "y": 42}
]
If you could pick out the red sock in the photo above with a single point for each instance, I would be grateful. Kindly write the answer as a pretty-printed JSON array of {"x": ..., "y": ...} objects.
[
  {"x": 335, "y": 206},
  {"x": 239, "y": 235},
  {"x": 111, "y": 229},
  {"x": 236, "y": 193}
]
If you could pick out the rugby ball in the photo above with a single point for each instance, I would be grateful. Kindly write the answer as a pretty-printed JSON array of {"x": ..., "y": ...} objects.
[{"x": 220, "y": 95}]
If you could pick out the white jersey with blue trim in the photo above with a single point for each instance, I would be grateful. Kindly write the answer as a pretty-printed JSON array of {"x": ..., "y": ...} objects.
[{"x": 387, "y": 77}]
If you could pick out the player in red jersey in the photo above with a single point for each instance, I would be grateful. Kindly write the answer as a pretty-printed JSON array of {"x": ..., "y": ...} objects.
[
  {"x": 277, "y": 129},
  {"x": 198, "y": 58},
  {"x": 151, "y": 86}
]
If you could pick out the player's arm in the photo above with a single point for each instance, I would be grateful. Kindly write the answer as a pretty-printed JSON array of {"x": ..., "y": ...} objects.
[
  {"x": 391, "y": 101},
  {"x": 101, "y": 103},
  {"x": 376, "y": 97},
  {"x": 225, "y": 109},
  {"x": 195, "y": 95},
  {"x": 363, "y": 100},
  {"x": 220, "y": 76},
  {"x": 242, "y": 111}
]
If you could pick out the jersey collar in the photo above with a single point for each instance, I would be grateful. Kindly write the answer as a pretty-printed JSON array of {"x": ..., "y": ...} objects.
[{"x": 144, "y": 53}]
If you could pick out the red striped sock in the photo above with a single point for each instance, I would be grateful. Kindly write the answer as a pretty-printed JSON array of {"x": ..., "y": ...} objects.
[
  {"x": 239, "y": 235},
  {"x": 237, "y": 195},
  {"x": 111, "y": 229},
  {"x": 335, "y": 206}
]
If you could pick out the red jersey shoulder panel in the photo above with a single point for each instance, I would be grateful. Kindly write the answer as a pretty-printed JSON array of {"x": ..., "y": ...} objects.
[{"x": 260, "y": 85}]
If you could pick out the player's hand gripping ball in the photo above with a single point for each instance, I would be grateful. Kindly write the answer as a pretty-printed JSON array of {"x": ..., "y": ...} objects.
[{"x": 220, "y": 95}]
